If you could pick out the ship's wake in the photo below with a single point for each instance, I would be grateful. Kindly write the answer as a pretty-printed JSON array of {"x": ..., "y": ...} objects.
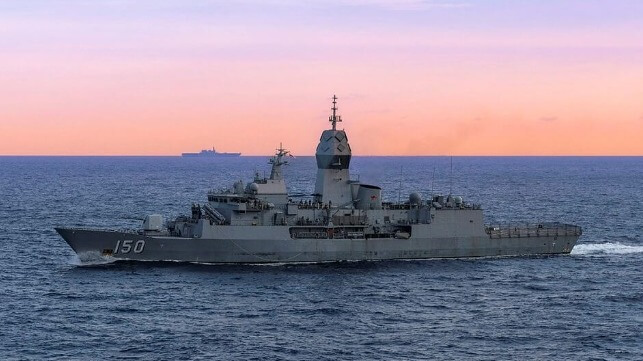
[{"x": 605, "y": 248}]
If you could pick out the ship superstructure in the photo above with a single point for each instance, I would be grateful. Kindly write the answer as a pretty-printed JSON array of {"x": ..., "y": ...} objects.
[{"x": 343, "y": 219}]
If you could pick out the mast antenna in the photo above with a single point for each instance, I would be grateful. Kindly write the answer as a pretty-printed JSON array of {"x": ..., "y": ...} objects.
[
  {"x": 451, "y": 178},
  {"x": 334, "y": 118},
  {"x": 399, "y": 189},
  {"x": 433, "y": 183}
]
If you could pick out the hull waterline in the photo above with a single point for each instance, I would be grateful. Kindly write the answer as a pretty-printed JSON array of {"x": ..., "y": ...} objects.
[{"x": 117, "y": 245}]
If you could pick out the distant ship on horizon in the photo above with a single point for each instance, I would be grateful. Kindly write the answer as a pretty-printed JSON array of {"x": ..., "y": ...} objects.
[{"x": 210, "y": 153}]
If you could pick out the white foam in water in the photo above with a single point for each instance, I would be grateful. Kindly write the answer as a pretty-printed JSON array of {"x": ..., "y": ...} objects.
[
  {"x": 605, "y": 248},
  {"x": 91, "y": 259}
]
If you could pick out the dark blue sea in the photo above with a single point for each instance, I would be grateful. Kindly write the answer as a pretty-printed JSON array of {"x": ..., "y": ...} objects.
[{"x": 583, "y": 306}]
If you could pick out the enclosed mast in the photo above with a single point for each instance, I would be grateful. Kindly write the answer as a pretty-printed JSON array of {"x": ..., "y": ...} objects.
[{"x": 333, "y": 156}]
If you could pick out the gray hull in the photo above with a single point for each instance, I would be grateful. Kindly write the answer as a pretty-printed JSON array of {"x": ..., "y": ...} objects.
[{"x": 93, "y": 244}]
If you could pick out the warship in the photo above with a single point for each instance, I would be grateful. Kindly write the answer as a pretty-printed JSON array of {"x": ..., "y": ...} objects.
[
  {"x": 342, "y": 220},
  {"x": 209, "y": 153}
]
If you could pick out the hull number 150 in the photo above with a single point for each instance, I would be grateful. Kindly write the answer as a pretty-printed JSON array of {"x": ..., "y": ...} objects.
[{"x": 126, "y": 246}]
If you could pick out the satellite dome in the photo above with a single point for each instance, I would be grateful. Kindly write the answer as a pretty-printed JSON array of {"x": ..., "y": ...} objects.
[
  {"x": 254, "y": 187},
  {"x": 415, "y": 198}
]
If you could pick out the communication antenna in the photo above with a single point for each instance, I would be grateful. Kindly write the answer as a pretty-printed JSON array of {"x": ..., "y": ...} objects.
[
  {"x": 433, "y": 183},
  {"x": 334, "y": 118},
  {"x": 399, "y": 189},
  {"x": 451, "y": 178}
]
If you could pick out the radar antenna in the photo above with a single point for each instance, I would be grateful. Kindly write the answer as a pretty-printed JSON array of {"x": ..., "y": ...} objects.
[
  {"x": 277, "y": 161},
  {"x": 334, "y": 118},
  {"x": 277, "y": 158}
]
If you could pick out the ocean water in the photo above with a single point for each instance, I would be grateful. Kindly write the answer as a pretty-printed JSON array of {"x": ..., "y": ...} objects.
[{"x": 587, "y": 305}]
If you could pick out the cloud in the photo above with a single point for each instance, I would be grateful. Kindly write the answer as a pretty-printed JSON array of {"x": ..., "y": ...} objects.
[
  {"x": 406, "y": 4},
  {"x": 402, "y": 5},
  {"x": 549, "y": 119}
]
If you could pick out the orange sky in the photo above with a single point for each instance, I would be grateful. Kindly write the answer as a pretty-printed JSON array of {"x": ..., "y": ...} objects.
[{"x": 411, "y": 80}]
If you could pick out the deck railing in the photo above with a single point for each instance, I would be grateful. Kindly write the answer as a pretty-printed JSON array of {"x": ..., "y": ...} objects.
[{"x": 533, "y": 230}]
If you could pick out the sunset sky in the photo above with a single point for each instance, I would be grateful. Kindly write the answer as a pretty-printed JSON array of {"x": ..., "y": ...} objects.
[{"x": 413, "y": 77}]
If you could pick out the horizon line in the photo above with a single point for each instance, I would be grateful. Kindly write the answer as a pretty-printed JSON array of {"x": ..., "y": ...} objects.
[{"x": 312, "y": 155}]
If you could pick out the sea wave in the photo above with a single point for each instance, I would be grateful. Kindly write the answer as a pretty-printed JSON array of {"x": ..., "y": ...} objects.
[{"x": 605, "y": 248}]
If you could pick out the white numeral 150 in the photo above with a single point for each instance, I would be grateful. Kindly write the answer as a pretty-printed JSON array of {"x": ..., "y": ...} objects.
[{"x": 126, "y": 246}]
